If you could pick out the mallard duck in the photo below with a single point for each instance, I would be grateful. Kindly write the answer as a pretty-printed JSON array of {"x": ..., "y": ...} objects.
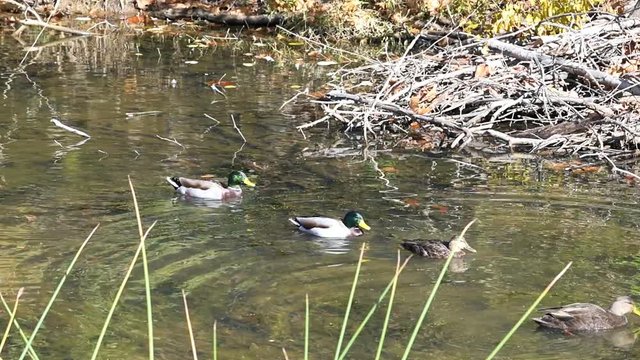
[
  {"x": 351, "y": 225},
  {"x": 438, "y": 249},
  {"x": 588, "y": 317},
  {"x": 211, "y": 190}
]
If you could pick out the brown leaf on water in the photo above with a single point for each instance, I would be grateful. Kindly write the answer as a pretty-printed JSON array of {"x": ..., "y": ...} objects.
[
  {"x": 221, "y": 83},
  {"x": 414, "y": 125},
  {"x": 586, "y": 170},
  {"x": 556, "y": 166},
  {"x": 442, "y": 209},
  {"x": 389, "y": 170},
  {"x": 411, "y": 202},
  {"x": 30, "y": 218}
]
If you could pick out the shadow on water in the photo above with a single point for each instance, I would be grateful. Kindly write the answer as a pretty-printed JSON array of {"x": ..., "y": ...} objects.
[{"x": 242, "y": 263}]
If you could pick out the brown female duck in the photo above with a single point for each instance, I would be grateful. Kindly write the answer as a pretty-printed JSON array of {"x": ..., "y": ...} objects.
[
  {"x": 588, "y": 317},
  {"x": 437, "y": 249}
]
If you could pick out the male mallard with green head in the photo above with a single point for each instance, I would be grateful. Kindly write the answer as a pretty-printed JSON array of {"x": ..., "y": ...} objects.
[
  {"x": 351, "y": 225},
  {"x": 211, "y": 190},
  {"x": 437, "y": 249},
  {"x": 588, "y": 317}
]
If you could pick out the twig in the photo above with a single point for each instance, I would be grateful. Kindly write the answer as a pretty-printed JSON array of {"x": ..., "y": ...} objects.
[
  {"x": 284, "y": 352},
  {"x": 55, "y": 27},
  {"x": 174, "y": 141},
  {"x": 143, "y": 113},
  {"x": 325, "y": 45},
  {"x": 57, "y": 123},
  {"x": 304, "y": 92},
  {"x": 238, "y": 129}
]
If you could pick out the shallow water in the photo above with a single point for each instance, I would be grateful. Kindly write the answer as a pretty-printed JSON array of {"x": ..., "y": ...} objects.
[{"x": 241, "y": 263}]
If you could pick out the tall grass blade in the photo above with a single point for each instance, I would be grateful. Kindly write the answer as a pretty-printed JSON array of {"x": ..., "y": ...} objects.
[
  {"x": 370, "y": 313},
  {"x": 32, "y": 353},
  {"x": 191, "y": 337},
  {"x": 215, "y": 340},
  {"x": 112, "y": 309},
  {"x": 353, "y": 291},
  {"x": 13, "y": 316},
  {"x": 412, "y": 339},
  {"x": 389, "y": 307},
  {"x": 306, "y": 327},
  {"x": 528, "y": 312},
  {"x": 145, "y": 266},
  {"x": 284, "y": 351},
  {"x": 55, "y": 294}
]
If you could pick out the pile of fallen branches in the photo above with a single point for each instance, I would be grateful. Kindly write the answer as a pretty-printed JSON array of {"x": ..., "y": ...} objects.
[{"x": 569, "y": 93}]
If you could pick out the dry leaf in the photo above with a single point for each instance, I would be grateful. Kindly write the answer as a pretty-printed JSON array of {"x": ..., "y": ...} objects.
[{"x": 482, "y": 71}]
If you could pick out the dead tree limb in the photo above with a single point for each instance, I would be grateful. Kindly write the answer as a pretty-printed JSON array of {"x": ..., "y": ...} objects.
[{"x": 571, "y": 67}]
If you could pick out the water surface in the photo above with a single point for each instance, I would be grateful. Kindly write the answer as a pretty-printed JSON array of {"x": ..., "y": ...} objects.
[{"x": 241, "y": 263}]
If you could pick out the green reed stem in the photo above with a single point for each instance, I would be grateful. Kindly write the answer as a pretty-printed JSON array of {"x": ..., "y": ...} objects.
[
  {"x": 215, "y": 340},
  {"x": 306, "y": 327},
  {"x": 13, "y": 316},
  {"x": 55, "y": 294},
  {"x": 353, "y": 291},
  {"x": 394, "y": 281},
  {"x": 370, "y": 313},
  {"x": 432, "y": 295},
  {"x": 145, "y": 267},
  {"x": 32, "y": 353},
  {"x": 119, "y": 293},
  {"x": 528, "y": 312},
  {"x": 191, "y": 337}
]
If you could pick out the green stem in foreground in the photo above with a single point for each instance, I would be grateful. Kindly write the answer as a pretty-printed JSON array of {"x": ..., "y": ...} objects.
[
  {"x": 145, "y": 266},
  {"x": 389, "y": 307},
  {"x": 119, "y": 293},
  {"x": 55, "y": 294},
  {"x": 306, "y": 328},
  {"x": 13, "y": 316},
  {"x": 353, "y": 291},
  {"x": 215, "y": 340},
  {"x": 32, "y": 353},
  {"x": 528, "y": 312},
  {"x": 433, "y": 294},
  {"x": 370, "y": 313}
]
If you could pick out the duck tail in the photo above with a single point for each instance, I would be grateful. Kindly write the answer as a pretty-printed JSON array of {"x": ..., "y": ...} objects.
[
  {"x": 294, "y": 221},
  {"x": 174, "y": 181}
]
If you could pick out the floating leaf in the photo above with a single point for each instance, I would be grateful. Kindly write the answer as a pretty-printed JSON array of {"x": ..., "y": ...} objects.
[
  {"x": 248, "y": 64},
  {"x": 191, "y": 62},
  {"x": 296, "y": 43},
  {"x": 296, "y": 86},
  {"x": 389, "y": 169},
  {"x": 411, "y": 202}
]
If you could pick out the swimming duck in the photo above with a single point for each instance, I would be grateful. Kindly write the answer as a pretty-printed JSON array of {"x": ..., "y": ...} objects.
[
  {"x": 351, "y": 225},
  {"x": 438, "y": 249},
  {"x": 211, "y": 190},
  {"x": 588, "y": 317}
]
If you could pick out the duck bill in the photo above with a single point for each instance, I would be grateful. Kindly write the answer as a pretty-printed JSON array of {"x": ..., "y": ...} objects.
[
  {"x": 636, "y": 310},
  {"x": 469, "y": 248},
  {"x": 248, "y": 182},
  {"x": 363, "y": 225}
]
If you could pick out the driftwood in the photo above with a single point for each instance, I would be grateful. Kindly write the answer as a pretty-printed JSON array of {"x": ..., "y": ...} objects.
[{"x": 565, "y": 94}]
